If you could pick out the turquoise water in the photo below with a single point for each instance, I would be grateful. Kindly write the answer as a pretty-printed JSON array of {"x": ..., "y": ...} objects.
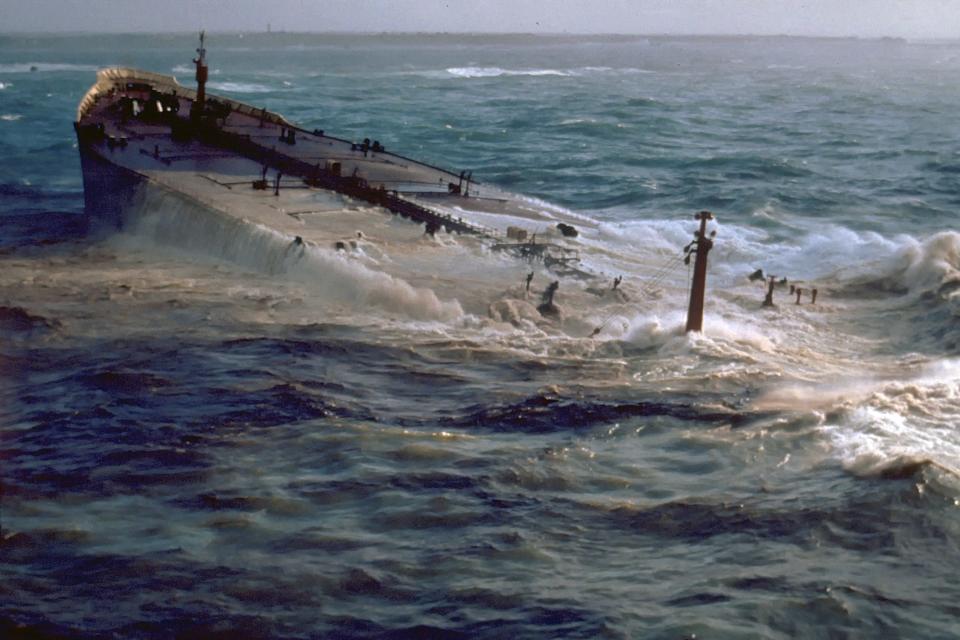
[{"x": 193, "y": 447}]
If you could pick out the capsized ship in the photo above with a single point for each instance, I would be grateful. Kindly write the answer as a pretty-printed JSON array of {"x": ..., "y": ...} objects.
[{"x": 142, "y": 133}]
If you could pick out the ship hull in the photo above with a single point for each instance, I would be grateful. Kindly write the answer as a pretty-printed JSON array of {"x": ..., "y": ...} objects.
[{"x": 108, "y": 189}]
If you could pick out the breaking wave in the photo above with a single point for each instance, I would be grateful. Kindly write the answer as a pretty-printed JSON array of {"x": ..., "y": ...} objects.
[
  {"x": 162, "y": 217},
  {"x": 931, "y": 263},
  {"x": 911, "y": 266},
  {"x": 497, "y": 72},
  {"x": 241, "y": 87}
]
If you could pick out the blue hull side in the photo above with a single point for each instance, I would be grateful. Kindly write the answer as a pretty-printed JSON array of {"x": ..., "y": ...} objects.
[{"x": 107, "y": 188}]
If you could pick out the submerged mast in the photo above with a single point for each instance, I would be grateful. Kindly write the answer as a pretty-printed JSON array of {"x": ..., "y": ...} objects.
[
  {"x": 702, "y": 246},
  {"x": 201, "y": 61}
]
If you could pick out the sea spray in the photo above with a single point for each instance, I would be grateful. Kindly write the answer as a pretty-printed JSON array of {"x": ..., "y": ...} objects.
[
  {"x": 932, "y": 262},
  {"x": 163, "y": 217}
]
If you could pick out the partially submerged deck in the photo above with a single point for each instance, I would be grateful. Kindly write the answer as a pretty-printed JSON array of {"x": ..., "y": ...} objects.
[{"x": 146, "y": 114}]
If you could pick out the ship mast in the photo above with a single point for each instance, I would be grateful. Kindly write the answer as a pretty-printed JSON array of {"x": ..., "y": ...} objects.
[
  {"x": 702, "y": 245},
  {"x": 201, "y": 61}
]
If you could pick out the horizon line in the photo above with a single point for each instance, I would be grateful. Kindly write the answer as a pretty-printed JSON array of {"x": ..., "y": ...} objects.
[{"x": 475, "y": 33}]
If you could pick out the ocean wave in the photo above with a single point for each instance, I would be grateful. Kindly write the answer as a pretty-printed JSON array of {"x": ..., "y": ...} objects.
[
  {"x": 43, "y": 67},
  {"x": 19, "y": 320},
  {"x": 184, "y": 69},
  {"x": 909, "y": 266},
  {"x": 872, "y": 441},
  {"x": 241, "y": 87},
  {"x": 164, "y": 218},
  {"x": 546, "y": 412},
  {"x": 878, "y": 427},
  {"x": 825, "y": 249},
  {"x": 496, "y": 72},
  {"x": 10, "y": 117},
  {"x": 830, "y": 253},
  {"x": 932, "y": 262}
]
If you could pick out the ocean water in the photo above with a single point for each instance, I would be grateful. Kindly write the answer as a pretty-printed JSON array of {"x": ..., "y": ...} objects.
[{"x": 194, "y": 446}]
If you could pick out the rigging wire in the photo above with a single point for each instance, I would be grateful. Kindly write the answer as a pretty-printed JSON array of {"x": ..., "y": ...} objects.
[{"x": 668, "y": 268}]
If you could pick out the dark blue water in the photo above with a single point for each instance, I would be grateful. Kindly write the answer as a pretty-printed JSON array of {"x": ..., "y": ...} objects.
[{"x": 195, "y": 447}]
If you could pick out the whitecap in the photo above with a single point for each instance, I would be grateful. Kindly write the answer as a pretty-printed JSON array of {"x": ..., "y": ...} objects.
[
  {"x": 241, "y": 87},
  {"x": 10, "y": 117},
  {"x": 494, "y": 72},
  {"x": 870, "y": 440},
  {"x": 572, "y": 121}
]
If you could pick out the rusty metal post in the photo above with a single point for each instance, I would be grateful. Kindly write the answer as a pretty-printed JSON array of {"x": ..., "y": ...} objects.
[
  {"x": 196, "y": 109},
  {"x": 703, "y": 244},
  {"x": 768, "y": 300}
]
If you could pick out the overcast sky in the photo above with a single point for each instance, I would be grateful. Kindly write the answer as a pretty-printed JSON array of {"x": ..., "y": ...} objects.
[{"x": 906, "y": 18}]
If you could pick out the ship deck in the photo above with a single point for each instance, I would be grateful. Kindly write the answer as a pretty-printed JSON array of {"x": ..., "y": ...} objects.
[
  {"x": 148, "y": 148},
  {"x": 221, "y": 179}
]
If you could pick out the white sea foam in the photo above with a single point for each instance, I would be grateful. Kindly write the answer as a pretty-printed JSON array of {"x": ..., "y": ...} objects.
[
  {"x": 647, "y": 330},
  {"x": 903, "y": 263},
  {"x": 10, "y": 117},
  {"x": 931, "y": 262},
  {"x": 741, "y": 336},
  {"x": 731, "y": 338},
  {"x": 873, "y": 424},
  {"x": 818, "y": 253},
  {"x": 872, "y": 440},
  {"x": 166, "y": 219},
  {"x": 646, "y": 235},
  {"x": 241, "y": 87},
  {"x": 184, "y": 69},
  {"x": 551, "y": 209},
  {"x": 494, "y": 72},
  {"x": 834, "y": 247}
]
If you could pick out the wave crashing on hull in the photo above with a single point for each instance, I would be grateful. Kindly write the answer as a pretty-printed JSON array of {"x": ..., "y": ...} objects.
[{"x": 160, "y": 216}]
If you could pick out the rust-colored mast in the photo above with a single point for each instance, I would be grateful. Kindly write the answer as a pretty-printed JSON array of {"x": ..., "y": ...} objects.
[
  {"x": 702, "y": 245},
  {"x": 201, "y": 61}
]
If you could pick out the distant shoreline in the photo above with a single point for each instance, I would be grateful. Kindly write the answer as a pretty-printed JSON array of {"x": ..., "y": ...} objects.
[{"x": 487, "y": 35}]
